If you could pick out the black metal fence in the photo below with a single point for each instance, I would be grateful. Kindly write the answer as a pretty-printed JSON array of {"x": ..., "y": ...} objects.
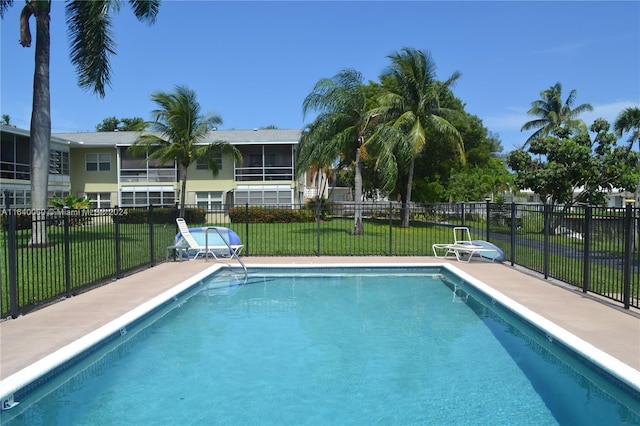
[
  {"x": 84, "y": 249},
  {"x": 591, "y": 248}
]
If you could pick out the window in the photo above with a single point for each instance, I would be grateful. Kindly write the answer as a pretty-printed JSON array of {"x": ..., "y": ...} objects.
[
  {"x": 60, "y": 193},
  {"x": 98, "y": 162},
  {"x": 209, "y": 200},
  {"x": 201, "y": 165},
  {"x": 17, "y": 198},
  {"x": 265, "y": 163},
  {"x": 14, "y": 157},
  {"x": 100, "y": 200},
  {"x": 136, "y": 168},
  {"x": 260, "y": 195},
  {"x": 144, "y": 197},
  {"x": 58, "y": 162}
]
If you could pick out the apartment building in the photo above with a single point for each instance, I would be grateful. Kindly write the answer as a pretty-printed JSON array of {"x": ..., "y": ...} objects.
[{"x": 98, "y": 165}]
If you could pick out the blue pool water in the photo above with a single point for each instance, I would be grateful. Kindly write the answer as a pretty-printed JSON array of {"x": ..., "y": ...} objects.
[{"x": 339, "y": 348}]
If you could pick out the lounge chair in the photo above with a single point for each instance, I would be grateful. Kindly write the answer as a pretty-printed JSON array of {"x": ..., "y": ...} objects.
[
  {"x": 213, "y": 240},
  {"x": 463, "y": 248}
]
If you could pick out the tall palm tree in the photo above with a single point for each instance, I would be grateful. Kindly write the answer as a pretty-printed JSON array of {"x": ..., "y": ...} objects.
[
  {"x": 178, "y": 132},
  {"x": 552, "y": 113},
  {"x": 412, "y": 112},
  {"x": 629, "y": 121},
  {"x": 89, "y": 30},
  {"x": 340, "y": 130}
]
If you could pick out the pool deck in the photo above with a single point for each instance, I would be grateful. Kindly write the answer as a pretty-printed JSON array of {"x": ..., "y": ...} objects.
[{"x": 599, "y": 322}]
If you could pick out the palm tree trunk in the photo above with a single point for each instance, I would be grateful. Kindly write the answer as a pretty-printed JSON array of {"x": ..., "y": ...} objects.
[
  {"x": 40, "y": 132},
  {"x": 183, "y": 189},
  {"x": 357, "y": 214},
  {"x": 407, "y": 201}
]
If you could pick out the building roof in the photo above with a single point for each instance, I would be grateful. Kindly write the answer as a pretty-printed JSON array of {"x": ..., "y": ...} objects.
[
  {"x": 235, "y": 137},
  {"x": 23, "y": 132}
]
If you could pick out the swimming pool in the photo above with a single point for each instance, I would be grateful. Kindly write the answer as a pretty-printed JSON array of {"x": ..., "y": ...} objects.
[{"x": 332, "y": 346}]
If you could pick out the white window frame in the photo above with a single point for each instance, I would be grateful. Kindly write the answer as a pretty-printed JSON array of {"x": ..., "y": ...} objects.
[
  {"x": 101, "y": 165},
  {"x": 100, "y": 200},
  {"x": 139, "y": 196},
  {"x": 211, "y": 200},
  {"x": 281, "y": 195}
]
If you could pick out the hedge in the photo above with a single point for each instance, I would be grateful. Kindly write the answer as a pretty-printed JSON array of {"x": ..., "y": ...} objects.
[
  {"x": 269, "y": 215},
  {"x": 162, "y": 215}
]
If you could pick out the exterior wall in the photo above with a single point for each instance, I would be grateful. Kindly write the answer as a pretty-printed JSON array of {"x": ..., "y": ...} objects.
[
  {"x": 83, "y": 181},
  {"x": 203, "y": 179},
  {"x": 266, "y": 175}
]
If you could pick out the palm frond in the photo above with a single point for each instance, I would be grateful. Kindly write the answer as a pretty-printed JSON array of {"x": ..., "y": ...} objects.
[
  {"x": 4, "y": 6},
  {"x": 145, "y": 10},
  {"x": 90, "y": 34}
]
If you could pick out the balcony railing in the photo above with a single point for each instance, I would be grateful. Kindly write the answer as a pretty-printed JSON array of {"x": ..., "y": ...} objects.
[
  {"x": 261, "y": 174},
  {"x": 152, "y": 175}
]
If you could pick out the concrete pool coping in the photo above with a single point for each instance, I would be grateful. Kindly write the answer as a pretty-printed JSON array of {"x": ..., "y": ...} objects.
[{"x": 35, "y": 337}]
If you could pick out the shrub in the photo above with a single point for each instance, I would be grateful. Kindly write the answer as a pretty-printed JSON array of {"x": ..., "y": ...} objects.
[
  {"x": 161, "y": 215},
  {"x": 270, "y": 215},
  {"x": 326, "y": 207},
  {"x": 22, "y": 221}
]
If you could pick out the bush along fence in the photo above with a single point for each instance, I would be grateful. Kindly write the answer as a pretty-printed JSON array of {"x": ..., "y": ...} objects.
[{"x": 593, "y": 249}]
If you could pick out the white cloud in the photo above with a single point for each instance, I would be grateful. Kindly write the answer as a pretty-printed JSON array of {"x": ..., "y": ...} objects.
[
  {"x": 515, "y": 118},
  {"x": 566, "y": 48},
  {"x": 607, "y": 111}
]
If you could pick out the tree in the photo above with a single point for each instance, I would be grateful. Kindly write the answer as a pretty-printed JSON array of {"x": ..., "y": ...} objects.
[
  {"x": 89, "y": 29},
  {"x": 570, "y": 166},
  {"x": 412, "y": 113},
  {"x": 109, "y": 124},
  {"x": 114, "y": 124},
  {"x": 178, "y": 132},
  {"x": 340, "y": 130},
  {"x": 553, "y": 113},
  {"x": 438, "y": 175},
  {"x": 474, "y": 183},
  {"x": 629, "y": 121},
  {"x": 6, "y": 120}
]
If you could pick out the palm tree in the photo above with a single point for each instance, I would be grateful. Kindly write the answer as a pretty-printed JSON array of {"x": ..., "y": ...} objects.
[
  {"x": 89, "y": 29},
  {"x": 412, "y": 112},
  {"x": 552, "y": 113},
  {"x": 178, "y": 132},
  {"x": 629, "y": 121},
  {"x": 340, "y": 130}
]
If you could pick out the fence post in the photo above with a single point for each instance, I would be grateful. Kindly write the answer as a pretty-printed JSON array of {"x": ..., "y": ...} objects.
[
  {"x": 628, "y": 248},
  {"x": 463, "y": 218},
  {"x": 152, "y": 237},
  {"x": 586, "y": 252},
  {"x": 67, "y": 251},
  {"x": 176, "y": 214},
  {"x": 116, "y": 228},
  {"x": 13, "y": 264},
  {"x": 390, "y": 228},
  {"x": 488, "y": 210},
  {"x": 513, "y": 233},
  {"x": 547, "y": 225},
  {"x": 246, "y": 229}
]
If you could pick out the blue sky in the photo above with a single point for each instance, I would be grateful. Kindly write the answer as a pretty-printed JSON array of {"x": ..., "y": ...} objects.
[{"x": 253, "y": 63}]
